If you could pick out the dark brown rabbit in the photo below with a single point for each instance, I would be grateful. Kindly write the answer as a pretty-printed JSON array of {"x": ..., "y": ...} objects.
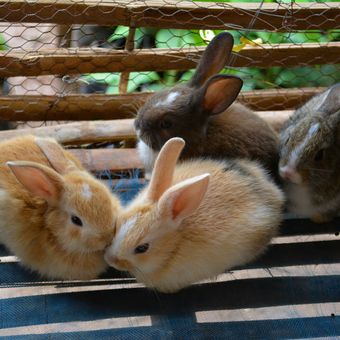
[
  {"x": 310, "y": 157},
  {"x": 204, "y": 114}
]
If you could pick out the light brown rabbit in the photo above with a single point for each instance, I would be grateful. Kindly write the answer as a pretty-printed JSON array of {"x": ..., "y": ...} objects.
[
  {"x": 196, "y": 220},
  {"x": 204, "y": 114},
  {"x": 54, "y": 215}
]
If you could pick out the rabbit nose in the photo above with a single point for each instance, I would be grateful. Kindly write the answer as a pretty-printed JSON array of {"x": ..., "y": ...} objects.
[
  {"x": 110, "y": 258},
  {"x": 286, "y": 172},
  {"x": 290, "y": 174}
]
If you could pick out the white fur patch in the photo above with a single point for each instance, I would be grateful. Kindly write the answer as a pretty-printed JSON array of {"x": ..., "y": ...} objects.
[
  {"x": 168, "y": 100},
  {"x": 299, "y": 201},
  {"x": 147, "y": 155},
  {"x": 123, "y": 230},
  {"x": 86, "y": 191},
  {"x": 296, "y": 153},
  {"x": 259, "y": 215}
]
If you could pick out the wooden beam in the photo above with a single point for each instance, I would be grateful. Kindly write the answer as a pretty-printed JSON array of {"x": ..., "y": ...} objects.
[
  {"x": 80, "y": 132},
  {"x": 175, "y": 14},
  {"x": 112, "y": 130},
  {"x": 89, "y": 60},
  {"x": 108, "y": 159},
  {"x": 96, "y": 106},
  {"x": 276, "y": 119},
  {"x": 277, "y": 99}
]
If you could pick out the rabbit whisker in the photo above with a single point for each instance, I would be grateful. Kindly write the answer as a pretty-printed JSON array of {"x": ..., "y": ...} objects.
[{"x": 317, "y": 169}]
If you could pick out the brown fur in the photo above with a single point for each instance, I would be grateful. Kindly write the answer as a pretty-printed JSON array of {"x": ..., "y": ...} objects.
[
  {"x": 200, "y": 115},
  {"x": 41, "y": 234},
  {"x": 234, "y": 223}
]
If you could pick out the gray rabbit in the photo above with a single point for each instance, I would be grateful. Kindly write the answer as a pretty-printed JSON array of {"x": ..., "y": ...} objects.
[{"x": 310, "y": 157}]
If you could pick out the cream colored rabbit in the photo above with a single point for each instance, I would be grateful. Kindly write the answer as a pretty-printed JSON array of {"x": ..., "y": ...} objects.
[
  {"x": 54, "y": 215},
  {"x": 195, "y": 220}
]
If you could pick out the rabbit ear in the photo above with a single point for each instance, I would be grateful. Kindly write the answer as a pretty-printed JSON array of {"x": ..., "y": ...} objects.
[
  {"x": 38, "y": 179},
  {"x": 213, "y": 59},
  {"x": 330, "y": 100},
  {"x": 183, "y": 199},
  {"x": 162, "y": 173},
  {"x": 55, "y": 154},
  {"x": 219, "y": 93}
]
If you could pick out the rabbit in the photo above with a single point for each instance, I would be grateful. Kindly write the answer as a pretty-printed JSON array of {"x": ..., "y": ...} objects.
[
  {"x": 55, "y": 216},
  {"x": 204, "y": 114},
  {"x": 195, "y": 220},
  {"x": 310, "y": 157}
]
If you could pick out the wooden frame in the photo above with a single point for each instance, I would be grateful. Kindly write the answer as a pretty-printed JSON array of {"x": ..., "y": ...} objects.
[
  {"x": 173, "y": 14},
  {"x": 86, "y": 60},
  {"x": 100, "y": 106}
]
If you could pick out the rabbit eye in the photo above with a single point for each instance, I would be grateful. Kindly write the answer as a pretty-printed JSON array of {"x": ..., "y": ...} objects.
[
  {"x": 319, "y": 155},
  {"x": 142, "y": 248},
  {"x": 165, "y": 124},
  {"x": 76, "y": 220}
]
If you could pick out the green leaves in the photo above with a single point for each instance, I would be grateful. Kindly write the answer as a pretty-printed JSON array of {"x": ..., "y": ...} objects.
[
  {"x": 3, "y": 46},
  {"x": 176, "y": 38},
  {"x": 254, "y": 78}
]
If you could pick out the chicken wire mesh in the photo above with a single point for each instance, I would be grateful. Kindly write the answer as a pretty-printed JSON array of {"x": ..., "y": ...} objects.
[
  {"x": 57, "y": 58},
  {"x": 60, "y": 59},
  {"x": 109, "y": 48}
]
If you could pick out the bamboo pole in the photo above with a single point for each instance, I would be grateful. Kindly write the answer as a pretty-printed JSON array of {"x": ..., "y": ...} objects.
[
  {"x": 87, "y": 107},
  {"x": 63, "y": 61}
]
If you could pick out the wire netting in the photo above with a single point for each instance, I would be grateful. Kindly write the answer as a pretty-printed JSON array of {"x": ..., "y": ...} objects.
[
  {"x": 62, "y": 59},
  {"x": 66, "y": 60}
]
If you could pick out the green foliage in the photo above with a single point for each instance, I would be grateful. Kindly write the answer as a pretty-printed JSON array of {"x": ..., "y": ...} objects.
[{"x": 2, "y": 43}]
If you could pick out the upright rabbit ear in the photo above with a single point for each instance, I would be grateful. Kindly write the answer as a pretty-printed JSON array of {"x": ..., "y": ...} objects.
[
  {"x": 329, "y": 101},
  {"x": 55, "y": 155},
  {"x": 183, "y": 199},
  {"x": 218, "y": 93},
  {"x": 213, "y": 59},
  {"x": 38, "y": 179},
  {"x": 164, "y": 168}
]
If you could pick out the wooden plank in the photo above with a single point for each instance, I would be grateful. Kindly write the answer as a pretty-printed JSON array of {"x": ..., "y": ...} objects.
[
  {"x": 100, "y": 106},
  {"x": 277, "y": 99},
  {"x": 108, "y": 159},
  {"x": 80, "y": 132},
  {"x": 276, "y": 119},
  {"x": 112, "y": 131},
  {"x": 89, "y": 60},
  {"x": 70, "y": 107},
  {"x": 174, "y": 14}
]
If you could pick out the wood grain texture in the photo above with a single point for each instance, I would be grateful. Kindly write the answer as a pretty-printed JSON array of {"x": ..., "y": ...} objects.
[
  {"x": 97, "y": 106},
  {"x": 174, "y": 14},
  {"x": 108, "y": 159},
  {"x": 63, "y": 61},
  {"x": 80, "y": 132}
]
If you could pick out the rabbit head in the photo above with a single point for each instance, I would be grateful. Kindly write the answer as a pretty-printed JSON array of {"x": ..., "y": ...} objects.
[
  {"x": 169, "y": 113},
  {"x": 148, "y": 231},
  {"x": 309, "y": 150},
  {"x": 80, "y": 211}
]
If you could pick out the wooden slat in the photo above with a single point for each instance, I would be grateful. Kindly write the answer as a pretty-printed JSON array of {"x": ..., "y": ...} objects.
[
  {"x": 174, "y": 14},
  {"x": 277, "y": 99},
  {"x": 276, "y": 119},
  {"x": 88, "y": 60},
  {"x": 108, "y": 159},
  {"x": 114, "y": 130},
  {"x": 88, "y": 107},
  {"x": 80, "y": 132}
]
